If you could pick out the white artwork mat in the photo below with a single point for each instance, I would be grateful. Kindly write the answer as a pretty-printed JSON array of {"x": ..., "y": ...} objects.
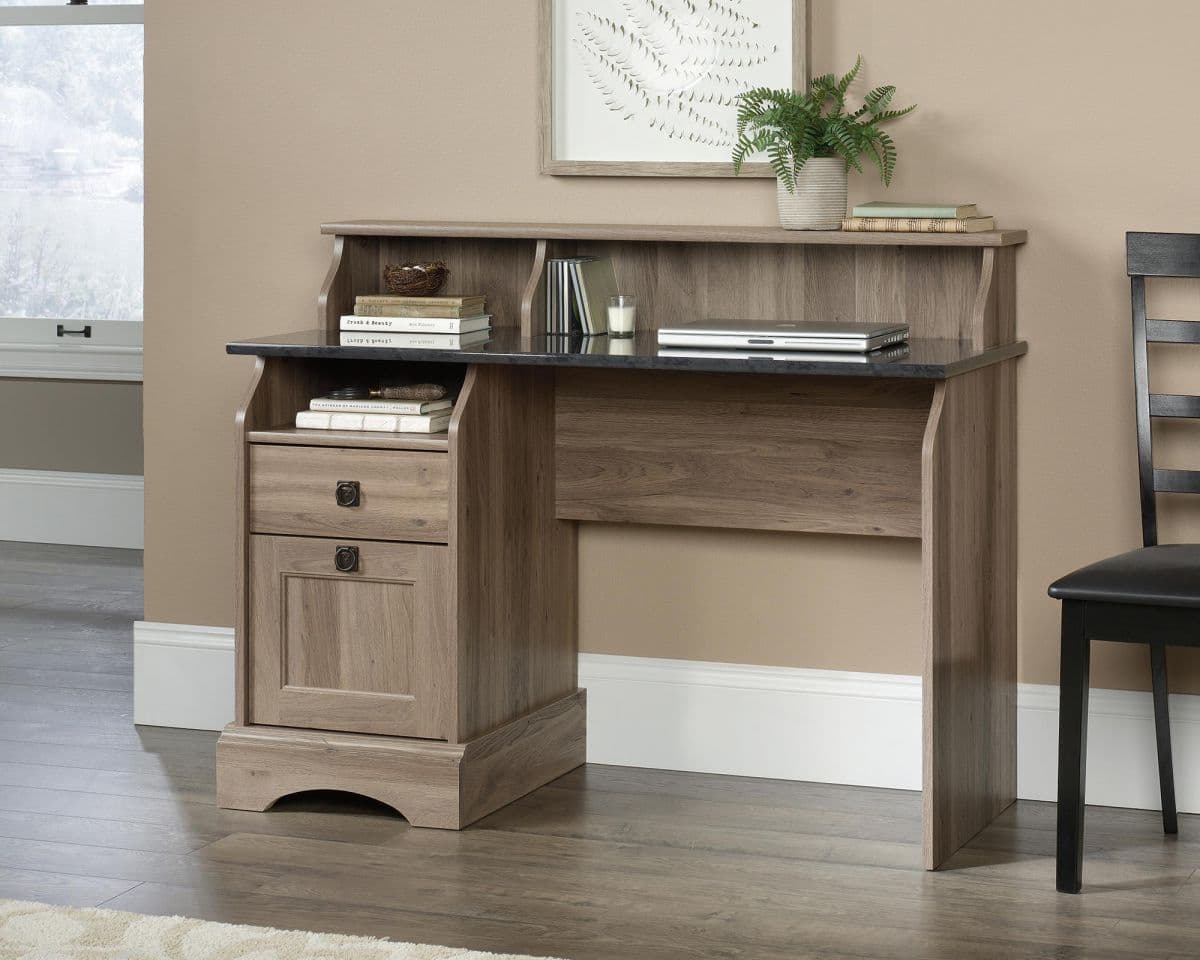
[{"x": 655, "y": 80}]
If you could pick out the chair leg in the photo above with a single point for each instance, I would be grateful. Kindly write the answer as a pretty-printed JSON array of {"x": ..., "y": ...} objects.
[
  {"x": 1162, "y": 727},
  {"x": 1072, "y": 746}
]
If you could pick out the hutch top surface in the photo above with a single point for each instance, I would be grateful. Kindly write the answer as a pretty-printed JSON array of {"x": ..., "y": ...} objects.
[{"x": 699, "y": 233}]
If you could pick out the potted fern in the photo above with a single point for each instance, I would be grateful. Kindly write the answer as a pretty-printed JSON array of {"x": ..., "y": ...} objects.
[{"x": 812, "y": 139}]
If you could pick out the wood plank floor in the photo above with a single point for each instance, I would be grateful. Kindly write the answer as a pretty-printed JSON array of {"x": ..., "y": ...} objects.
[{"x": 604, "y": 863}]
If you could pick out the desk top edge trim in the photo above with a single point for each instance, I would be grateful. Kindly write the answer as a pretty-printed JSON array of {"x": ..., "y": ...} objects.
[
  {"x": 892, "y": 370},
  {"x": 680, "y": 233}
]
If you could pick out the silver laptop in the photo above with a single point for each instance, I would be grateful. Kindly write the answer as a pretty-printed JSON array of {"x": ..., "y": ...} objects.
[
  {"x": 846, "y": 337},
  {"x": 880, "y": 356}
]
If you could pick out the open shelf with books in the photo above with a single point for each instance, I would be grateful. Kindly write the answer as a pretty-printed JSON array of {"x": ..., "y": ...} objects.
[
  {"x": 300, "y": 383},
  {"x": 944, "y": 286}
]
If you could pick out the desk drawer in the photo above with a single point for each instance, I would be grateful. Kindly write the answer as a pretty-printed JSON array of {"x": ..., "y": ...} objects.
[{"x": 400, "y": 494}]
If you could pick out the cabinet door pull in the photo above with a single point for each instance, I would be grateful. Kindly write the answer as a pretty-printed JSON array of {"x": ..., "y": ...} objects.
[
  {"x": 345, "y": 559},
  {"x": 346, "y": 493}
]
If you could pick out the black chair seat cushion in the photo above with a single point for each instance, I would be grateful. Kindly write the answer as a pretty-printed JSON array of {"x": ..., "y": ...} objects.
[{"x": 1166, "y": 576}]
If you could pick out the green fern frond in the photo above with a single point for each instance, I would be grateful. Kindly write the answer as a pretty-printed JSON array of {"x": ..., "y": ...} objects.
[
  {"x": 879, "y": 98},
  {"x": 888, "y": 115},
  {"x": 843, "y": 85},
  {"x": 783, "y": 164},
  {"x": 792, "y": 127},
  {"x": 888, "y": 149}
]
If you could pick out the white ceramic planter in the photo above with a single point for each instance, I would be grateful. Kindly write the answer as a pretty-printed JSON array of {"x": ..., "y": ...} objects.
[{"x": 819, "y": 200}]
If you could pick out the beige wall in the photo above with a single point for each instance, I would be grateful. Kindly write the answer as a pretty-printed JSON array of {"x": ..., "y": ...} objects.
[
  {"x": 1073, "y": 119},
  {"x": 72, "y": 426}
]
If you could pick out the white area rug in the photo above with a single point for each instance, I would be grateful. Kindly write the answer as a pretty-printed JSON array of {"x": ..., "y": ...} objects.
[{"x": 37, "y": 931}]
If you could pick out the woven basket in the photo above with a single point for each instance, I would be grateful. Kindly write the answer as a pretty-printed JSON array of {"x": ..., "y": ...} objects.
[{"x": 415, "y": 279}]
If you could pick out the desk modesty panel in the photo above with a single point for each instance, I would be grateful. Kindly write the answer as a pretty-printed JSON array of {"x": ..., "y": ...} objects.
[{"x": 470, "y": 602}]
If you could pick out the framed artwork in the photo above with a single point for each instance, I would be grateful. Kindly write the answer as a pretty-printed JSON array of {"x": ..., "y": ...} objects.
[{"x": 646, "y": 88}]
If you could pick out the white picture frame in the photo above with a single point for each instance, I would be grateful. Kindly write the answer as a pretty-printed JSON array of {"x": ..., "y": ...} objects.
[{"x": 644, "y": 88}]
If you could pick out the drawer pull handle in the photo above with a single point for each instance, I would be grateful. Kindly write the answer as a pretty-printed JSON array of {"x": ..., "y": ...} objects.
[
  {"x": 346, "y": 493},
  {"x": 345, "y": 559}
]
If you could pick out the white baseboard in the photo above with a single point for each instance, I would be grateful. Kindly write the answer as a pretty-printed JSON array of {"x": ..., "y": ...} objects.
[
  {"x": 775, "y": 722},
  {"x": 787, "y": 724},
  {"x": 182, "y": 675},
  {"x": 88, "y": 509}
]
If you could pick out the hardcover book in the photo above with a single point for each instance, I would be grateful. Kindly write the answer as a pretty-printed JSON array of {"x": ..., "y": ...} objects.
[
  {"x": 444, "y": 300},
  {"x": 373, "y": 422},
  {"x": 919, "y": 225},
  {"x": 408, "y": 407},
  {"x": 595, "y": 282},
  {"x": 444, "y": 311},
  {"x": 885, "y": 208},
  {"x": 422, "y": 324},
  {"x": 414, "y": 341}
]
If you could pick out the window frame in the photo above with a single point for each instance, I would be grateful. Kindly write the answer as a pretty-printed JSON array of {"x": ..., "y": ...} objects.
[{"x": 49, "y": 347}]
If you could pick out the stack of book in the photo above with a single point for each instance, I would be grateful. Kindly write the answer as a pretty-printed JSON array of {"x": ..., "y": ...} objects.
[
  {"x": 880, "y": 216},
  {"x": 577, "y": 294},
  {"x": 427, "y": 323},
  {"x": 379, "y": 416}
]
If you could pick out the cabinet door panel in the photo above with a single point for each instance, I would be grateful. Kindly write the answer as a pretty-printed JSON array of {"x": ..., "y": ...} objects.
[{"x": 366, "y": 651}]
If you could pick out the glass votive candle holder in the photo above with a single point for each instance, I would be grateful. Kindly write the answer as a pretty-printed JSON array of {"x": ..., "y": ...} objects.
[{"x": 622, "y": 315}]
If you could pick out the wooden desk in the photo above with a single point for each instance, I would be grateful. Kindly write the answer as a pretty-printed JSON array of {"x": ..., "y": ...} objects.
[{"x": 473, "y": 533}]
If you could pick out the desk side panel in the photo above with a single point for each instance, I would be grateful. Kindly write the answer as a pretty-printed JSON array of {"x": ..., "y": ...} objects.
[
  {"x": 277, "y": 389},
  {"x": 969, "y": 586},
  {"x": 515, "y": 564},
  {"x": 838, "y": 455}
]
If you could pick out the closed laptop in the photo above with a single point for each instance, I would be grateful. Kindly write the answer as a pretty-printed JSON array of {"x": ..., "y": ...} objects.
[{"x": 844, "y": 336}]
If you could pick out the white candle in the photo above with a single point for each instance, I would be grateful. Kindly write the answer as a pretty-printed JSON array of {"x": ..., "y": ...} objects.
[{"x": 622, "y": 312}]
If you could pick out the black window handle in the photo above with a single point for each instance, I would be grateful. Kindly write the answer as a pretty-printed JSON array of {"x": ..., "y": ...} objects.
[{"x": 86, "y": 332}]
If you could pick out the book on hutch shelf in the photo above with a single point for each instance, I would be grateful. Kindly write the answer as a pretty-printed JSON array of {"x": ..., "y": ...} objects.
[
  {"x": 437, "y": 299},
  {"x": 374, "y": 422},
  {"x": 919, "y": 224},
  {"x": 400, "y": 310},
  {"x": 938, "y": 211},
  {"x": 447, "y": 307},
  {"x": 414, "y": 341},
  {"x": 418, "y": 324},
  {"x": 395, "y": 407},
  {"x": 577, "y": 293}
]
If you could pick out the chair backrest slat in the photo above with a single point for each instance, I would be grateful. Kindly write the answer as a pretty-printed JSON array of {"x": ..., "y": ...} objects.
[
  {"x": 1174, "y": 405},
  {"x": 1173, "y": 331},
  {"x": 1159, "y": 255},
  {"x": 1177, "y": 481},
  {"x": 1163, "y": 254}
]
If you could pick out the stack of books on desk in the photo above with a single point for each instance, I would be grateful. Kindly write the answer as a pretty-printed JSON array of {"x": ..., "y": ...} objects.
[
  {"x": 880, "y": 216},
  {"x": 377, "y": 416},
  {"x": 428, "y": 323}
]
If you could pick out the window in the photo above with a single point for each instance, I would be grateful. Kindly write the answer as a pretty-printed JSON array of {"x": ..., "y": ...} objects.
[{"x": 71, "y": 185}]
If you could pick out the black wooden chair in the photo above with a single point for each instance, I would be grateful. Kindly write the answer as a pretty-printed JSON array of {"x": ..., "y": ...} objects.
[{"x": 1149, "y": 596}]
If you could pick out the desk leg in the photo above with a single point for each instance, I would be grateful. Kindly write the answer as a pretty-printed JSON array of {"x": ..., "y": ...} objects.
[{"x": 968, "y": 557}]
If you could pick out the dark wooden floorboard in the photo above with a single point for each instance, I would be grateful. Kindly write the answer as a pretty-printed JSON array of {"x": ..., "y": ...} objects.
[{"x": 603, "y": 863}]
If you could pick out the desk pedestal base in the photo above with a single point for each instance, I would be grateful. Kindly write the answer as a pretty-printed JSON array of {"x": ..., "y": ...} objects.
[{"x": 431, "y": 783}]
